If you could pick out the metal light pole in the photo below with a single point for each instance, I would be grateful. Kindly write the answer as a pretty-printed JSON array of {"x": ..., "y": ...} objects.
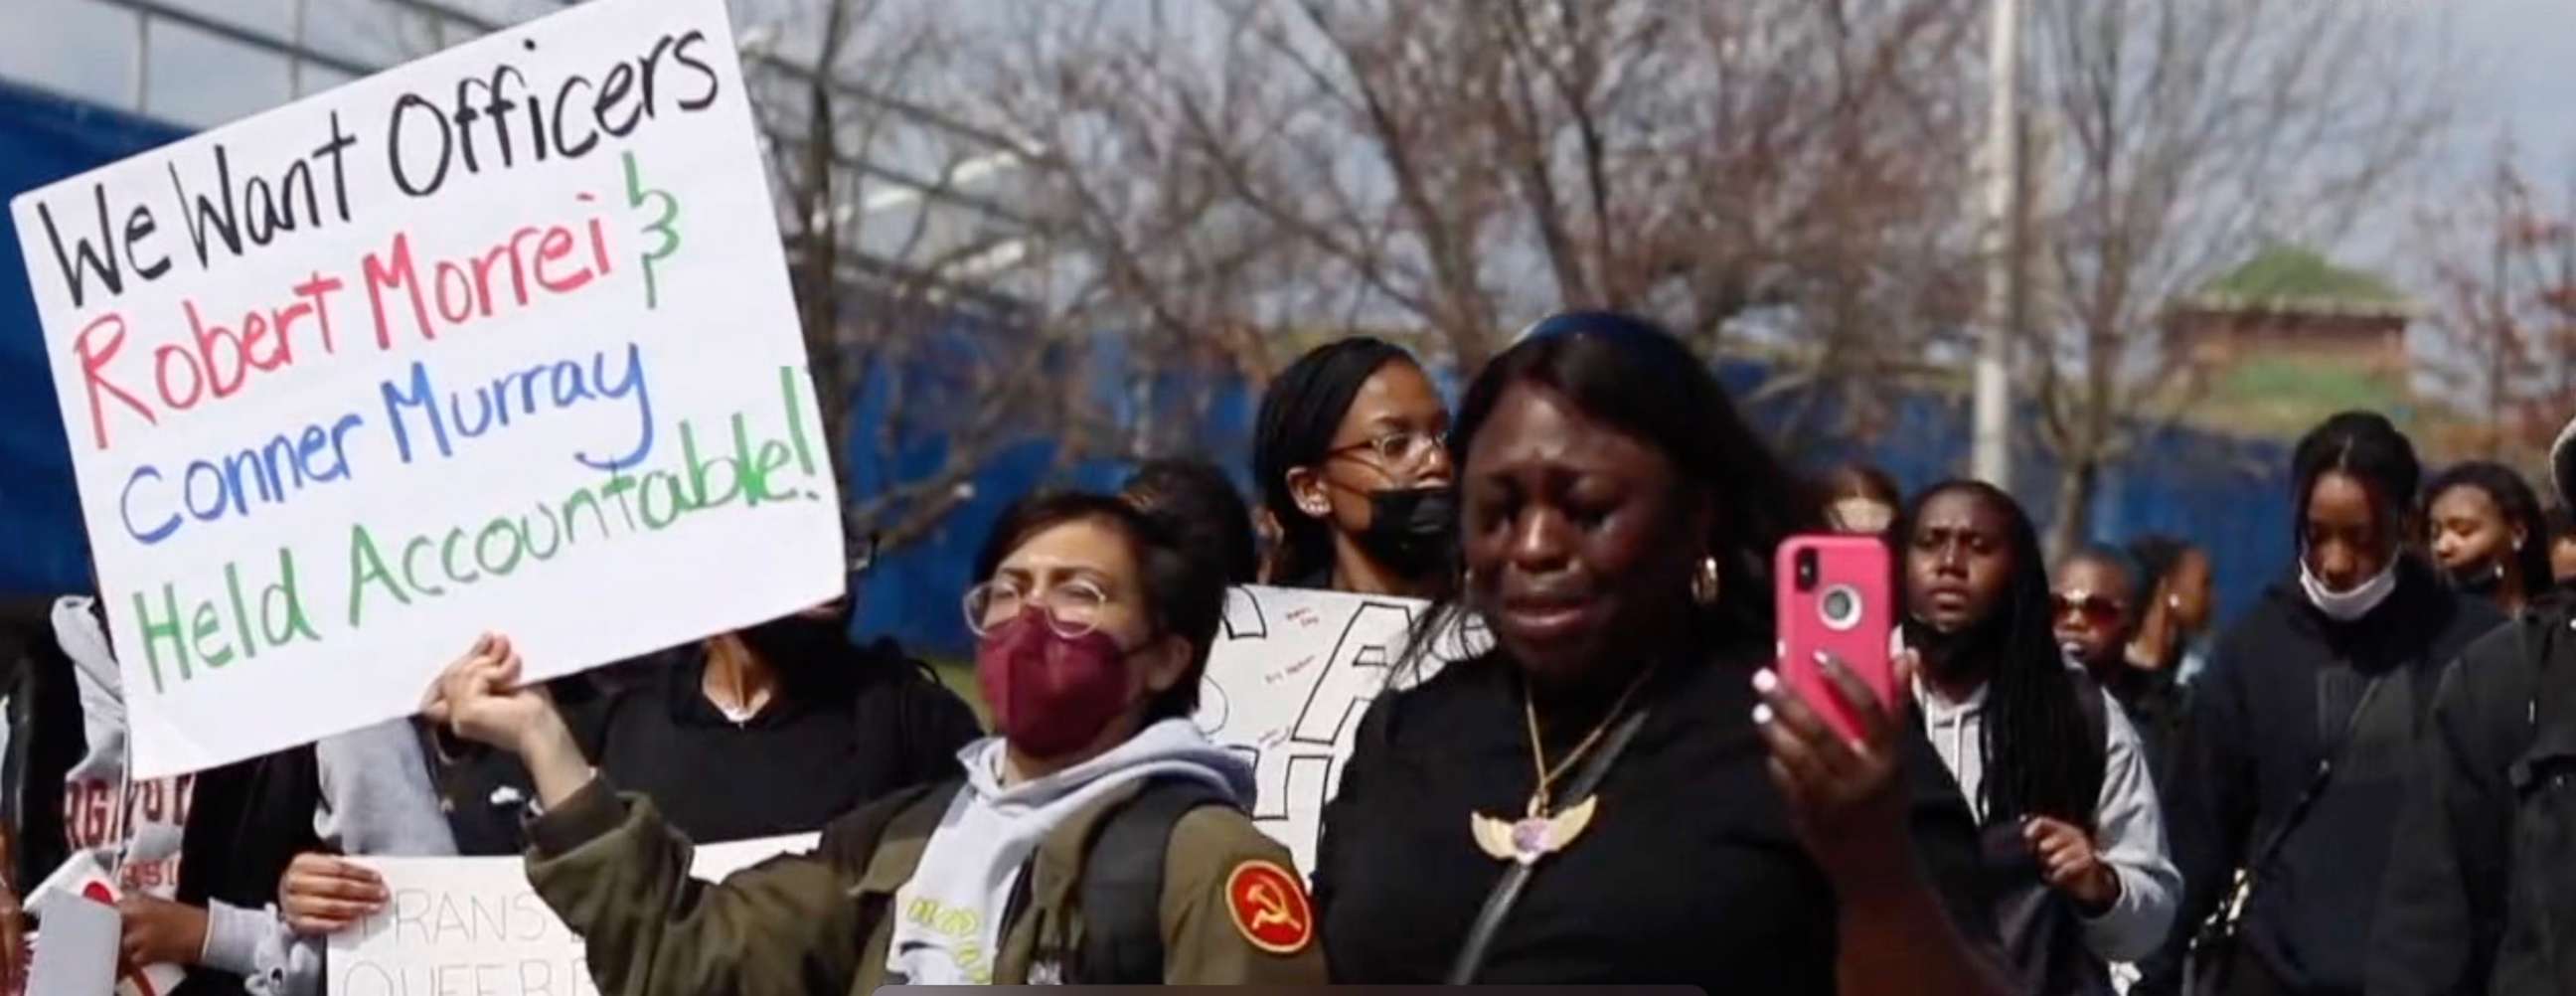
[{"x": 1992, "y": 455}]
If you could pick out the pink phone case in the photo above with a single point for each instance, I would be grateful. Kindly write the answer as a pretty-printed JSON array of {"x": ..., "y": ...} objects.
[{"x": 1848, "y": 612}]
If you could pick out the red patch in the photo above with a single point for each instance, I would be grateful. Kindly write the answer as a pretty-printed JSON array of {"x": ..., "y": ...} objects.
[{"x": 1270, "y": 908}]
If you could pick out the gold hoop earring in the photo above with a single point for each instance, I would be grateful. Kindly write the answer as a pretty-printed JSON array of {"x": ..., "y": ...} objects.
[{"x": 1705, "y": 584}]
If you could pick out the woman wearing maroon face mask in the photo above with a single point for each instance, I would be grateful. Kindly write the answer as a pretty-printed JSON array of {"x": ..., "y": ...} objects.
[{"x": 1100, "y": 839}]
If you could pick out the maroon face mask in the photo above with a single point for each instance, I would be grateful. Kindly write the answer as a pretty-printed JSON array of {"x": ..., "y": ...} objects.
[{"x": 1050, "y": 695}]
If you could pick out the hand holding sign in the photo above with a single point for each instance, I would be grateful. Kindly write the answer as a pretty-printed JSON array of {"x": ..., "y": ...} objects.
[{"x": 322, "y": 895}]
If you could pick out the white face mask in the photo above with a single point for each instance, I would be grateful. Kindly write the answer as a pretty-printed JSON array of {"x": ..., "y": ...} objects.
[{"x": 2346, "y": 606}]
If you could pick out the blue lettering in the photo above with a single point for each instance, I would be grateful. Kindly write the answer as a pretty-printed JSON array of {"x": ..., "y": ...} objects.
[
  {"x": 631, "y": 383},
  {"x": 125, "y": 507}
]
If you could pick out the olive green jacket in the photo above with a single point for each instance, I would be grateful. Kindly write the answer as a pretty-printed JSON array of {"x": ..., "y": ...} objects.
[{"x": 821, "y": 922}]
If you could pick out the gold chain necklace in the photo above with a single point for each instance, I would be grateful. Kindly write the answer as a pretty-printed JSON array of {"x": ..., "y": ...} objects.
[{"x": 1541, "y": 832}]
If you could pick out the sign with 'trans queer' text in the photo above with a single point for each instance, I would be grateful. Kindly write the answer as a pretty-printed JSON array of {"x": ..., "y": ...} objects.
[
  {"x": 500, "y": 339},
  {"x": 475, "y": 925}
]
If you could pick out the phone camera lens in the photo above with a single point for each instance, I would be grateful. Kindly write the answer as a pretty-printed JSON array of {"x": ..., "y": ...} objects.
[
  {"x": 1806, "y": 570},
  {"x": 1840, "y": 608}
]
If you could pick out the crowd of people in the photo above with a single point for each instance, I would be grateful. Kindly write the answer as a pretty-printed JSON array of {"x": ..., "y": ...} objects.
[{"x": 2081, "y": 786}]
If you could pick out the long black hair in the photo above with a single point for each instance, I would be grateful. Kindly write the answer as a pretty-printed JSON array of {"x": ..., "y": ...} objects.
[
  {"x": 1632, "y": 375},
  {"x": 2520, "y": 506},
  {"x": 1300, "y": 413},
  {"x": 1184, "y": 593},
  {"x": 2367, "y": 447},
  {"x": 2042, "y": 756}
]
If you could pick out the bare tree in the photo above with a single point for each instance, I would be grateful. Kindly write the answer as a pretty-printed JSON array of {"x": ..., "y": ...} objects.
[
  {"x": 2174, "y": 137},
  {"x": 2504, "y": 273},
  {"x": 1240, "y": 170}
]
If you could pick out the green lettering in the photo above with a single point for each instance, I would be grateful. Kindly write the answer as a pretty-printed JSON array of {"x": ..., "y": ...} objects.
[
  {"x": 672, "y": 489},
  {"x": 241, "y": 614},
  {"x": 554, "y": 534},
  {"x": 787, "y": 377},
  {"x": 773, "y": 458},
  {"x": 208, "y": 624},
  {"x": 447, "y": 558},
  {"x": 365, "y": 565},
  {"x": 285, "y": 597},
  {"x": 155, "y": 632},
  {"x": 483, "y": 541},
  {"x": 584, "y": 498},
  {"x": 733, "y": 486},
  {"x": 616, "y": 488},
  {"x": 411, "y": 573}
]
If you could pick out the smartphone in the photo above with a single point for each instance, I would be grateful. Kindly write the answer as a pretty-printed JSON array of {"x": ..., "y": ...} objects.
[{"x": 1835, "y": 596}]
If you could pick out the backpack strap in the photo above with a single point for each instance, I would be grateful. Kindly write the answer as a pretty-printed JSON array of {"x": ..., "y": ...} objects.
[
  {"x": 851, "y": 841},
  {"x": 1122, "y": 882}
]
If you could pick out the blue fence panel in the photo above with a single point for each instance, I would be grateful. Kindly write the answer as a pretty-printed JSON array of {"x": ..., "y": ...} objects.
[{"x": 44, "y": 138}]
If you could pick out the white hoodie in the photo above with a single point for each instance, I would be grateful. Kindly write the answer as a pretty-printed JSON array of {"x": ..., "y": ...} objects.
[{"x": 948, "y": 918}]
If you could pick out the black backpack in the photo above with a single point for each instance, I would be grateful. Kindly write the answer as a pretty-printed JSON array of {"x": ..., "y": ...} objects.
[{"x": 1122, "y": 869}]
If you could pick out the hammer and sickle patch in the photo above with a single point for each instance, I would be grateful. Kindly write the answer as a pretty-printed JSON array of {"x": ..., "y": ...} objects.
[{"x": 1269, "y": 907}]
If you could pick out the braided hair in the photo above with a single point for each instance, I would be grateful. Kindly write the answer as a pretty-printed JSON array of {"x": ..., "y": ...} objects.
[{"x": 2043, "y": 757}]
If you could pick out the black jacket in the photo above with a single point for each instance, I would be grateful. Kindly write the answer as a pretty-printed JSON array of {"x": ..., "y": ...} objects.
[
  {"x": 2481, "y": 890},
  {"x": 2285, "y": 689}
]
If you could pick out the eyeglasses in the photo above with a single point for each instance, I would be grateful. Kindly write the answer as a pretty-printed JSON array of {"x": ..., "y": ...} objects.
[
  {"x": 1072, "y": 608},
  {"x": 2090, "y": 607},
  {"x": 1401, "y": 446}
]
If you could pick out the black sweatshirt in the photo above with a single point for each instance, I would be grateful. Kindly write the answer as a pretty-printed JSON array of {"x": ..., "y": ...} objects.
[
  {"x": 2279, "y": 694},
  {"x": 819, "y": 749},
  {"x": 2481, "y": 889}
]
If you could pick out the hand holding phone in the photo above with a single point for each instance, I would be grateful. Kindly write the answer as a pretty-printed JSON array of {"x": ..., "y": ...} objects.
[{"x": 1835, "y": 596}]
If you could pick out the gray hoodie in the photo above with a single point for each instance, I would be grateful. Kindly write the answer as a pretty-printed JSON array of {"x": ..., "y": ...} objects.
[
  {"x": 377, "y": 799},
  {"x": 949, "y": 916}
]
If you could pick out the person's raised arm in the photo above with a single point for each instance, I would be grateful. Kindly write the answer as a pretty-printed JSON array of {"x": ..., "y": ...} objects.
[
  {"x": 1848, "y": 803},
  {"x": 619, "y": 877},
  {"x": 480, "y": 698}
]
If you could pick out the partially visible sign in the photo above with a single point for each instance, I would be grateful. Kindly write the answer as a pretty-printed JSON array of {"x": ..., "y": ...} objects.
[
  {"x": 1291, "y": 673},
  {"x": 475, "y": 925}
]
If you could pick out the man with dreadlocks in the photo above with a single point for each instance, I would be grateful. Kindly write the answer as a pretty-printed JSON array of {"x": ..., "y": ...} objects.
[{"x": 2073, "y": 841}]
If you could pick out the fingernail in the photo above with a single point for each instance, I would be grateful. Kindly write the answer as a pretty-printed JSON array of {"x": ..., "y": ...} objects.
[
  {"x": 1762, "y": 713},
  {"x": 1764, "y": 681},
  {"x": 1827, "y": 662}
]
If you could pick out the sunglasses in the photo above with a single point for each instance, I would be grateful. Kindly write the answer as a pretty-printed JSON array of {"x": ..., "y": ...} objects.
[{"x": 2090, "y": 607}]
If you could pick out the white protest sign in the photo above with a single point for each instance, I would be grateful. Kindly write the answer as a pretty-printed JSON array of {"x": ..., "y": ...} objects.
[
  {"x": 474, "y": 925},
  {"x": 76, "y": 953},
  {"x": 500, "y": 339},
  {"x": 1291, "y": 673}
]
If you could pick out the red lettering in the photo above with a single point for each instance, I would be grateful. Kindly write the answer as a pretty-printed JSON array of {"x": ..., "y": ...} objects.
[
  {"x": 315, "y": 291},
  {"x": 93, "y": 364},
  {"x": 187, "y": 789},
  {"x": 397, "y": 274},
  {"x": 464, "y": 286},
  {"x": 599, "y": 245},
  {"x": 161, "y": 357},
  {"x": 210, "y": 359},
  {"x": 556, "y": 245},
  {"x": 153, "y": 801},
  {"x": 256, "y": 331},
  {"x": 505, "y": 253}
]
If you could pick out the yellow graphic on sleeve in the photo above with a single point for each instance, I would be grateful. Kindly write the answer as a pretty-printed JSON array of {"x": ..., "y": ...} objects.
[{"x": 964, "y": 929}]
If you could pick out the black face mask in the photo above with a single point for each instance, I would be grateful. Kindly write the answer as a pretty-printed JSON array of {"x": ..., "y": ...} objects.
[
  {"x": 1412, "y": 531},
  {"x": 2481, "y": 580}
]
